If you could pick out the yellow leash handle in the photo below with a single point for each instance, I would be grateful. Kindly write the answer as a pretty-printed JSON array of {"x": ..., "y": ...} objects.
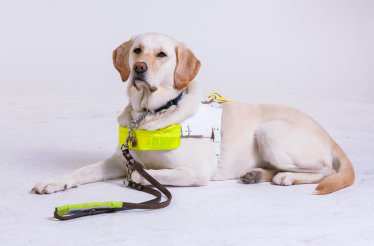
[{"x": 216, "y": 96}]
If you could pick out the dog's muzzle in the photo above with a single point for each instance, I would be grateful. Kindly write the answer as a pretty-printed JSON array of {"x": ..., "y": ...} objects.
[{"x": 140, "y": 68}]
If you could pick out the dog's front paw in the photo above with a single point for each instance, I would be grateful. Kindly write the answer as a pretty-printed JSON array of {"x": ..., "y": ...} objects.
[
  {"x": 52, "y": 186},
  {"x": 137, "y": 178}
]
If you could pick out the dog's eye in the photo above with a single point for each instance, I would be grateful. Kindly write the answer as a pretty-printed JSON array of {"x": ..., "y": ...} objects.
[
  {"x": 137, "y": 51},
  {"x": 161, "y": 54}
]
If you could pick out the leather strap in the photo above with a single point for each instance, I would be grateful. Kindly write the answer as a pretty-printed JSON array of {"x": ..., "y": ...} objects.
[
  {"x": 150, "y": 179},
  {"x": 151, "y": 204},
  {"x": 170, "y": 103}
]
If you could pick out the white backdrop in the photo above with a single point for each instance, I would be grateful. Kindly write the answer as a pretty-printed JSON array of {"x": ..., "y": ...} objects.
[
  {"x": 285, "y": 46},
  {"x": 60, "y": 96}
]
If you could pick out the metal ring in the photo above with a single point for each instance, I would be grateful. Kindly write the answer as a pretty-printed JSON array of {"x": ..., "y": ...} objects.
[{"x": 132, "y": 122}]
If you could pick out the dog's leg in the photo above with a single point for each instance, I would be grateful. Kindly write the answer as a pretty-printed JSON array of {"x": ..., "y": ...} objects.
[
  {"x": 288, "y": 178},
  {"x": 113, "y": 167},
  {"x": 302, "y": 176},
  {"x": 175, "y": 177},
  {"x": 302, "y": 156},
  {"x": 258, "y": 175}
]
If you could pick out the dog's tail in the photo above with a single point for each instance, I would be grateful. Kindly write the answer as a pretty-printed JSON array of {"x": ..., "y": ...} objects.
[{"x": 345, "y": 176}]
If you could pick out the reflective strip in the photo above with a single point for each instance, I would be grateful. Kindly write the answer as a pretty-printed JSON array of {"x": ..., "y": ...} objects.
[
  {"x": 76, "y": 208},
  {"x": 163, "y": 139}
]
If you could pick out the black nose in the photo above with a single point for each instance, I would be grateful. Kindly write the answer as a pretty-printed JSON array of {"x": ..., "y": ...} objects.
[{"x": 140, "y": 67}]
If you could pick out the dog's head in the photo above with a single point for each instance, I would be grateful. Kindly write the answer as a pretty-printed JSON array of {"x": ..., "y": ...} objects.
[{"x": 151, "y": 60}]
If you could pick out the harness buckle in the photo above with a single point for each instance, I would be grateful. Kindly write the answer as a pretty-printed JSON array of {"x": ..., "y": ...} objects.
[{"x": 185, "y": 132}]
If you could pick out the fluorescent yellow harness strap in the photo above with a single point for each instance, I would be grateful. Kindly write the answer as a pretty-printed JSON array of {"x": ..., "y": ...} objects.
[
  {"x": 216, "y": 96},
  {"x": 163, "y": 139}
]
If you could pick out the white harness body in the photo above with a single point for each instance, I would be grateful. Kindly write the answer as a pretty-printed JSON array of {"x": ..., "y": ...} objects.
[{"x": 205, "y": 123}]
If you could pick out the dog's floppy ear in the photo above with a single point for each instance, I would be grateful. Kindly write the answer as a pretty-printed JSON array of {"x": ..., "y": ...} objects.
[
  {"x": 187, "y": 67},
  {"x": 121, "y": 59}
]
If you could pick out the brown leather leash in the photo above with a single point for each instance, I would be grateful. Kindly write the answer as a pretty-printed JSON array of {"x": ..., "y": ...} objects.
[{"x": 151, "y": 204}]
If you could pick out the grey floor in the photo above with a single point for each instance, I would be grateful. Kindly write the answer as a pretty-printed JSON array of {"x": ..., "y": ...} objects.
[{"x": 46, "y": 133}]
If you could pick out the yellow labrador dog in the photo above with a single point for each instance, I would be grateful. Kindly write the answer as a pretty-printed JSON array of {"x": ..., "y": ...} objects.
[{"x": 264, "y": 143}]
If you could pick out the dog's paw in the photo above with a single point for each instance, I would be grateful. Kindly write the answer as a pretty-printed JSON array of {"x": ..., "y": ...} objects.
[
  {"x": 52, "y": 186},
  {"x": 253, "y": 177},
  {"x": 282, "y": 179},
  {"x": 137, "y": 178}
]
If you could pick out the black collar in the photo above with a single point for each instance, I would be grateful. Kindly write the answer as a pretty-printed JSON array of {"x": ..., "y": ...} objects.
[{"x": 170, "y": 103}]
